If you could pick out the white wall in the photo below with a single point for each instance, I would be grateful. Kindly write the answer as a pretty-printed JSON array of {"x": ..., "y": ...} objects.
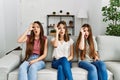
[
  {"x": 2, "y": 29},
  {"x": 8, "y": 25},
  {"x": 38, "y": 9}
]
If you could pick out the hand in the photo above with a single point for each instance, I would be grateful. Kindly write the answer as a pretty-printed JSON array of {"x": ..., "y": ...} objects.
[
  {"x": 56, "y": 28},
  {"x": 82, "y": 31},
  {"x": 31, "y": 27},
  {"x": 32, "y": 61},
  {"x": 96, "y": 58}
]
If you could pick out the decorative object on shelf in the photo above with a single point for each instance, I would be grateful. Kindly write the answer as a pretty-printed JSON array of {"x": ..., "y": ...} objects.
[
  {"x": 68, "y": 13},
  {"x": 52, "y": 32},
  {"x": 51, "y": 25},
  {"x": 71, "y": 24},
  {"x": 54, "y": 13},
  {"x": 111, "y": 15},
  {"x": 61, "y": 11},
  {"x": 82, "y": 14}
]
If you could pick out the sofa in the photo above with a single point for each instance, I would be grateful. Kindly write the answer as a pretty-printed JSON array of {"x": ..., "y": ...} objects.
[{"x": 109, "y": 52}]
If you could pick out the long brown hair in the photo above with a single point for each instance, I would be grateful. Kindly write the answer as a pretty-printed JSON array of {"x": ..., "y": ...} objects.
[
  {"x": 66, "y": 35},
  {"x": 30, "y": 43},
  {"x": 90, "y": 42}
]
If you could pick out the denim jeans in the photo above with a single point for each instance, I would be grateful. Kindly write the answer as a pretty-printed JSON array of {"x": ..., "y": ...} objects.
[
  {"x": 64, "y": 68},
  {"x": 29, "y": 72},
  {"x": 96, "y": 70}
]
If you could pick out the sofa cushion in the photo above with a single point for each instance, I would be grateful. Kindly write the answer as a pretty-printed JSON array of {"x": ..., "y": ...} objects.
[
  {"x": 114, "y": 68},
  {"x": 8, "y": 63},
  {"x": 109, "y": 47},
  {"x": 50, "y": 73}
]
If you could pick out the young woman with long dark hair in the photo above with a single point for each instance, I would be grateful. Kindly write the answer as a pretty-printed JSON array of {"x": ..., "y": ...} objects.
[{"x": 36, "y": 51}]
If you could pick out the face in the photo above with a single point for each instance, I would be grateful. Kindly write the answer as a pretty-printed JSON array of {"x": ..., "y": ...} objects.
[
  {"x": 86, "y": 32},
  {"x": 36, "y": 29},
  {"x": 61, "y": 27}
]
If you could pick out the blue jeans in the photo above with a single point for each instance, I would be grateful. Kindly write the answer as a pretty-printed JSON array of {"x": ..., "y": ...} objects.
[
  {"x": 29, "y": 72},
  {"x": 64, "y": 68},
  {"x": 96, "y": 70}
]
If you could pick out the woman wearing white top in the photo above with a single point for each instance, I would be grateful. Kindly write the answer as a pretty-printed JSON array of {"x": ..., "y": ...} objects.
[
  {"x": 88, "y": 57},
  {"x": 63, "y": 52}
]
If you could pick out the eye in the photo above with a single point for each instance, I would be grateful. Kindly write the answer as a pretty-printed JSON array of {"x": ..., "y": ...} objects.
[
  {"x": 63, "y": 27},
  {"x": 59, "y": 28}
]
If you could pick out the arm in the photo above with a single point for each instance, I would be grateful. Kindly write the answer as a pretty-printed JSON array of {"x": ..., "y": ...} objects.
[
  {"x": 55, "y": 42},
  {"x": 23, "y": 37},
  {"x": 71, "y": 53},
  {"x": 44, "y": 54},
  {"x": 82, "y": 41}
]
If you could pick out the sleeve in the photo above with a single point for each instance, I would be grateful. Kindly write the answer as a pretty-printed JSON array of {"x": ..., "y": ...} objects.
[
  {"x": 95, "y": 44},
  {"x": 71, "y": 41},
  {"x": 28, "y": 36}
]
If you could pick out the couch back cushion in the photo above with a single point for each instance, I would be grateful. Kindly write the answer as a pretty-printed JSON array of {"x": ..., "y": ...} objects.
[{"x": 109, "y": 48}]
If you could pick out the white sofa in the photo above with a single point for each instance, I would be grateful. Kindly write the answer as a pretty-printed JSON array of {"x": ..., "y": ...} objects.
[{"x": 108, "y": 48}]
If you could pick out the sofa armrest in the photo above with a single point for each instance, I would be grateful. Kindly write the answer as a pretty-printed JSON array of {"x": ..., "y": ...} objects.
[{"x": 8, "y": 63}]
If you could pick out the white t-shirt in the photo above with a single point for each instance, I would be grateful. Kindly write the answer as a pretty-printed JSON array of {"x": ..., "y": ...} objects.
[
  {"x": 63, "y": 49},
  {"x": 87, "y": 57}
]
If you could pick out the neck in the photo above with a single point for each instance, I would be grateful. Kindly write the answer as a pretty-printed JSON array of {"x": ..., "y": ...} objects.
[
  {"x": 36, "y": 36},
  {"x": 61, "y": 37}
]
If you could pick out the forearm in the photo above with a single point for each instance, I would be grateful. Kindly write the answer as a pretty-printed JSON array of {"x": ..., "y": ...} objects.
[
  {"x": 23, "y": 36},
  {"x": 82, "y": 42},
  {"x": 56, "y": 40}
]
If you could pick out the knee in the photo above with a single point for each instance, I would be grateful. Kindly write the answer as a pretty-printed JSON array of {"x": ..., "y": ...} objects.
[
  {"x": 32, "y": 68},
  {"x": 59, "y": 67},
  {"x": 92, "y": 68},
  {"x": 23, "y": 66},
  {"x": 102, "y": 65}
]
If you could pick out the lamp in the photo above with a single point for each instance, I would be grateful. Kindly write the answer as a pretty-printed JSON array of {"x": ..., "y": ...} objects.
[{"x": 82, "y": 14}]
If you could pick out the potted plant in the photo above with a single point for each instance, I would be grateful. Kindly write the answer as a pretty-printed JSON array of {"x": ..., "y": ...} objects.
[{"x": 111, "y": 15}]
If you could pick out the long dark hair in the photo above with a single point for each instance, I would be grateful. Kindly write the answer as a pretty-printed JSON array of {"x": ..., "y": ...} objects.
[
  {"x": 90, "y": 42},
  {"x": 66, "y": 35},
  {"x": 30, "y": 43}
]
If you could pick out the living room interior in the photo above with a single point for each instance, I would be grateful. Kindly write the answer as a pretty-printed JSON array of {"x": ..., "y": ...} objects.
[{"x": 17, "y": 15}]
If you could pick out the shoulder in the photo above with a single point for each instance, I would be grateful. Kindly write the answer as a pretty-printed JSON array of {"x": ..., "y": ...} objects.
[
  {"x": 28, "y": 38},
  {"x": 44, "y": 37},
  {"x": 71, "y": 41}
]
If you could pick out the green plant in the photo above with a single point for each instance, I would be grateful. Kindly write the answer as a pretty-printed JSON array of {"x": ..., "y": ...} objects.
[{"x": 111, "y": 15}]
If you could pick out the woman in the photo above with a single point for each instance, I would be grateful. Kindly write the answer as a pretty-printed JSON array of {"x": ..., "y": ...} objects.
[
  {"x": 63, "y": 52},
  {"x": 88, "y": 57},
  {"x": 36, "y": 51}
]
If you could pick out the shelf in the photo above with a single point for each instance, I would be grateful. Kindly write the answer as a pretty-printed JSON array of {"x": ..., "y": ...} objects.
[
  {"x": 54, "y": 19},
  {"x": 60, "y": 15}
]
